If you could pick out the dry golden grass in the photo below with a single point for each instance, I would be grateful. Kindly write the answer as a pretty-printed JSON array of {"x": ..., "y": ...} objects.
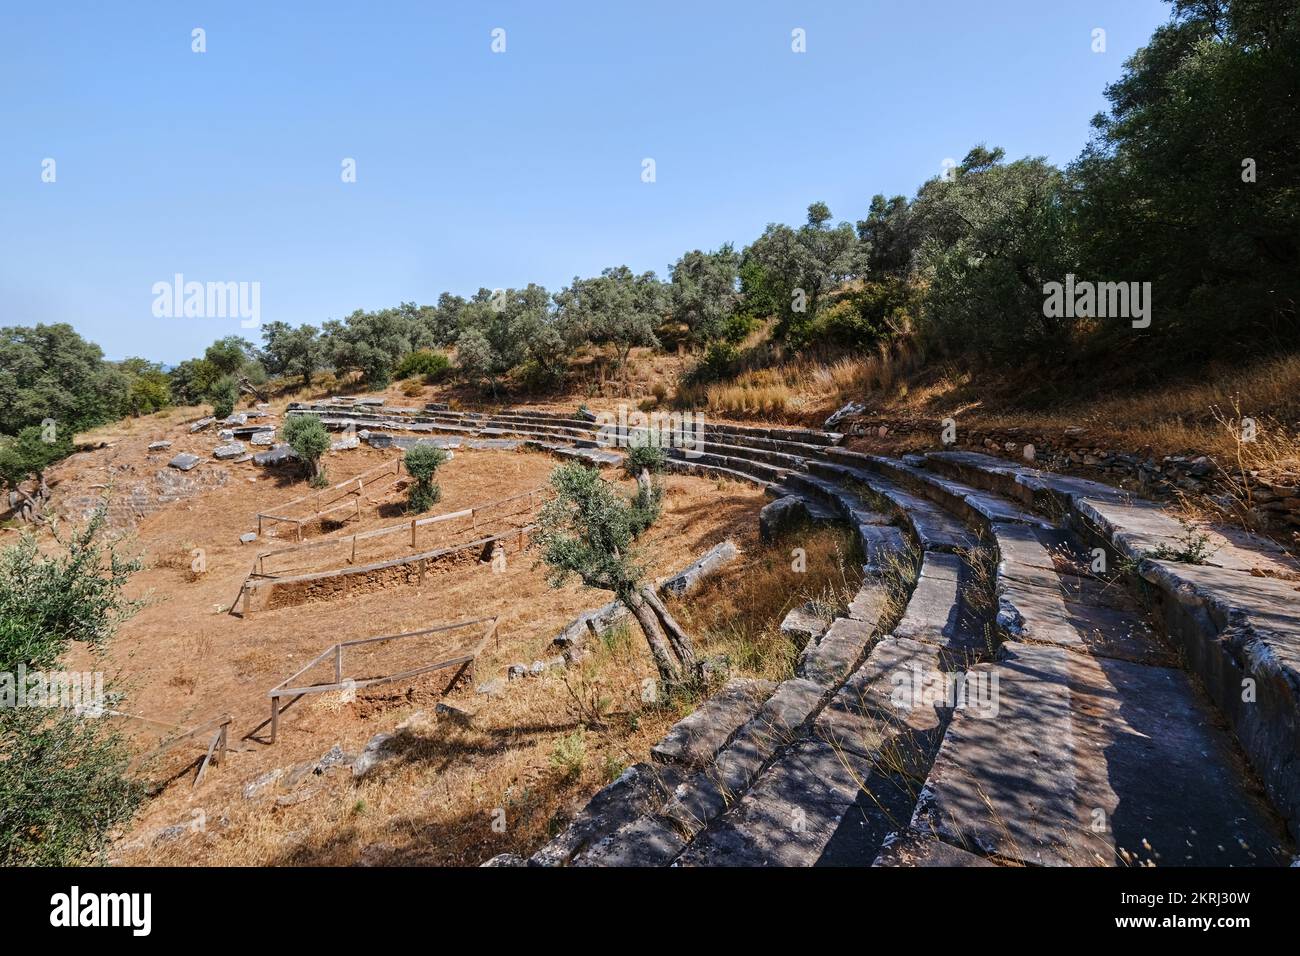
[{"x": 738, "y": 612}]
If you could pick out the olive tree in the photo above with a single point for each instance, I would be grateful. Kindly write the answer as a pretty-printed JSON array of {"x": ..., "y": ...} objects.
[{"x": 588, "y": 529}]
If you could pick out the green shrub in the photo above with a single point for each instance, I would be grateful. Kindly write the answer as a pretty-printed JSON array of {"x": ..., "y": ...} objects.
[
  {"x": 428, "y": 363},
  {"x": 721, "y": 360},
  {"x": 224, "y": 394},
  {"x": 422, "y": 461},
  {"x": 308, "y": 437},
  {"x": 63, "y": 783},
  {"x": 27, "y": 454},
  {"x": 651, "y": 458}
]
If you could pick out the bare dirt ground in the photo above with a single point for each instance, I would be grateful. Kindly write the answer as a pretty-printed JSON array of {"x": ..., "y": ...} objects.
[{"x": 528, "y": 757}]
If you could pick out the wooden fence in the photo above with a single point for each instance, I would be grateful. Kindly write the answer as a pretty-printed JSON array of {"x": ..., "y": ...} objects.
[
  {"x": 335, "y": 652},
  {"x": 323, "y": 501},
  {"x": 218, "y": 728},
  {"x": 519, "y": 537},
  {"x": 526, "y": 501}
]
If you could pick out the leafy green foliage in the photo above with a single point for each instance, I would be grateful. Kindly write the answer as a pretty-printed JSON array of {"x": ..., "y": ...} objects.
[
  {"x": 49, "y": 371},
  {"x": 648, "y": 457},
  {"x": 1162, "y": 191},
  {"x": 588, "y": 529},
  {"x": 27, "y": 454},
  {"x": 422, "y": 461},
  {"x": 223, "y": 394},
  {"x": 149, "y": 387},
  {"x": 293, "y": 351},
  {"x": 373, "y": 343},
  {"x": 616, "y": 308},
  {"x": 796, "y": 267},
  {"x": 426, "y": 363},
  {"x": 704, "y": 292},
  {"x": 63, "y": 787},
  {"x": 192, "y": 381},
  {"x": 308, "y": 437}
]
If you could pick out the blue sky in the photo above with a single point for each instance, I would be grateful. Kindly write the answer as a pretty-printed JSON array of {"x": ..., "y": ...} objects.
[{"x": 481, "y": 169}]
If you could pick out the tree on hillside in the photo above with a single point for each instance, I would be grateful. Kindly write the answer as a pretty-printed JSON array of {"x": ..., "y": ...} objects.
[
  {"x": 443, "y": 322},
  {"x": 373, "y": 343},
  {"x": 25, "y": 457},
  {"x": 230, "y": 354},
  {"x": 421, "y": 462},
  {"x": 991, "y": 236},
  {"x": 588, "y": 530},
  {"x": 192, "y": 381},
  {"x": 616, "y": 308},
  {"x": 798, "y": 266},
  {"x": 149, "y": 387},
  {"x": 51, "y": 372},
  {"x": 290, "y": 350},
  {"x": 307, "y": 436},
  {"x": 1191, "y": 180},
  {"x": 63, "y": 783},
  {"x": 888, "y": 238},
  {"x": 507, "y": 329},
  {"x": 704, "y": 292}
]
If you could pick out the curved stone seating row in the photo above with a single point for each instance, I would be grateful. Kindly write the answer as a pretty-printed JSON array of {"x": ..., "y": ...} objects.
[
  {"x": 1235, "y": 618},
  {"x": 1098, "y": 750}
]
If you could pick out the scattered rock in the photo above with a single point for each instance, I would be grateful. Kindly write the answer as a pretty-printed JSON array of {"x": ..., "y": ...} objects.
[
  {"x": 225, "y": 452},
  {"x": 454, "y": 714},
  {"x": 379, "y": 750},
  {"x": 506, "y": 859},
  {"x": 334, "y": 757},
  {"x": 278, "y": 455},
  {"x": 804, "y": 624},
  {"x": 201, "y": 424},
  {"x": 516, "y": 671},
  {"x": 225, "y": 434},
  {"x": 262, "y": 438},
  {"x": 254, "y": 789},
  {"x": 345, "y": 443},
  {"x": 538, "y": 668},
  {"x": 159, "y": 445},
  {"x": 850, "y": 410},
  {"x": 238, "y": 418},
  {"x": 184, "y": 461},
  {"x": 248, "y": 537}
]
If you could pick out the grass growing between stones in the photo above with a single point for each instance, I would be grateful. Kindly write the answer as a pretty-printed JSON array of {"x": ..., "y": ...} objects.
[{"x": 738, "y": 612}]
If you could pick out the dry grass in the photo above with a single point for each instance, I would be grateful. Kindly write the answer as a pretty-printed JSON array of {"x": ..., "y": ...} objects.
[{"x": 738, "y": 612}]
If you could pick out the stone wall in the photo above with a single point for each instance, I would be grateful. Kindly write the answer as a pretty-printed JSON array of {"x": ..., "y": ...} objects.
[{"x": 1276, "y": 498}]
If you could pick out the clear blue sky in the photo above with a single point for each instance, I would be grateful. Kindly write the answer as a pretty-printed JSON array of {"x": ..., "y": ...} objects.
[{"x": 481, "y": 169}]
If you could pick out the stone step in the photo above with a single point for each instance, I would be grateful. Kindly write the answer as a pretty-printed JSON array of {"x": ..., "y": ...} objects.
[
  {"x": 934, "y": 528},
  {"x": 699, "y": 469},
  {"x": 1064, "y": 759},
  {"x": 758, "y": 469},
  {"x": 805, "y": 436},
  {"x": 937, "y": 613},
  {"x": 975, "y": 505},
  {"x": 1132, "y": 526},
  {"x": 760, "y": 456},
  {"x": 696, "y": 738},
  {"x": 655, "y": 837},
  {"x": 1036, "y": 605},
  {"x": 833, "y": 796},
  {"x": 1240, "y": 634},
  {"x": 627, "y": 799}
]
